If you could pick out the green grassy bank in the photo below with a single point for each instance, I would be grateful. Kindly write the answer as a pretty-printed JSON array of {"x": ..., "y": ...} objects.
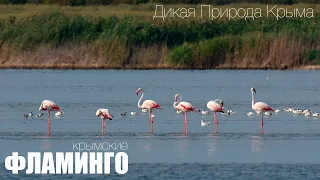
[{"x": 67, "y": 37}]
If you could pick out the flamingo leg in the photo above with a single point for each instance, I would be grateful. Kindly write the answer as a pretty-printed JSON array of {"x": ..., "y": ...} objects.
[
  {"x": 261, "y": 130},
  {"x": 49, "y": 123},
  {"x": 149, "y": 116},
  {"x": 216, "y": 129},
  {"x": 152, "y": 127},
  {"x": 262, "y": 119},
  {"x": 104, "y": 126},
  {"x": 101, "y": 125},
  {"x": 215, "y": 118},
  {"x": 185, "y": 123}
]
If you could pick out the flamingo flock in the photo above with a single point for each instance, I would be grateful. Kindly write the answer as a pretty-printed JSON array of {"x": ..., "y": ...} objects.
[{"x": 181, "y": 107}]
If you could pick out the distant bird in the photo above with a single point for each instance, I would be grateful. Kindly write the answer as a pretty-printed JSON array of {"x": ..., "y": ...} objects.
[
  {"x": 204, "y": 112},
  {"x": 215, "y": 106},
  {"x": 250, "y": 113},
  {"x": 27, "y": 115},
  {"x": 268, "y": 113},
  {"x": 153, "y": 116},
  {"x": 59, "y": 113},
  {"x": 39, "y": 115},
  {"x": 306, "y": 111},
  {"x": 297, "y": 111},
  {"x": 231, "y": 111},
  {"x": 203, "y": 123},
  {"x": 307, "y": 114},
  {"x": 277, "y": 111},
  {"x": 287, "y": 109},
  {"x": 133, "y": 113},
  {"x": 185, "y": 107},
  {"x": 228, "y": 112},
  {"x": 147, "y": 104},
  {"x": 123, "y": 114},
  {"x": 104, "y": 114},
  {"x": 49, "y": 106},
  {"x": 260, "y": 106},
  {"x": 315, "y": 114}
]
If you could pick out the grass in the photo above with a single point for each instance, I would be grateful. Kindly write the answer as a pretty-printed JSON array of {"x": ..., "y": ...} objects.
[
  {"x": 125, "y": 36},
  {"x": 122, "y": 10}
]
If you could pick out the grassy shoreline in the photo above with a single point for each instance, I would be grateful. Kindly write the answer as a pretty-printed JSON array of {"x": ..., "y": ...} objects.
[{"x": 69, "y": 38}]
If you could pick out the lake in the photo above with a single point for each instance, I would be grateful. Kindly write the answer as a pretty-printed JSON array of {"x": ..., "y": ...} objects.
[{"x": 288, "y": 149}]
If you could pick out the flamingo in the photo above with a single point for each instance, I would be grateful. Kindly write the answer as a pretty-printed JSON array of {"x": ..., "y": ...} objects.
[
  {"x": 104, "y": 114},
  {"x": 147, "y": 104},
  {"x": 48, "y": 105},
  {"x": 184, "y": 107},
  {"x": 216, "y": 106},
  {"x": 260, "y": 106}
]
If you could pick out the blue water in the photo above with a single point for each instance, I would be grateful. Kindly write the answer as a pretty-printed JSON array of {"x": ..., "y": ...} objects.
[{"x": 288, "y": 149}]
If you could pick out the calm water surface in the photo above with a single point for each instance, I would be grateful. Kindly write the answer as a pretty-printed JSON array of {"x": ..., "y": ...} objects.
[{"x": 288, "y": 150}]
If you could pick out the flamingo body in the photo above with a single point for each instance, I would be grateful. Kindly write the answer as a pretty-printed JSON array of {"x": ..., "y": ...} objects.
[
  {"x": 185, "y": 107},
  {"x": 261, "y": 106},
  {"x": 104, "y": 113},
  {"x": 214, "y": 106},
  {"x": 48, "y": 105},
  {"x": 150, "y": 104}
]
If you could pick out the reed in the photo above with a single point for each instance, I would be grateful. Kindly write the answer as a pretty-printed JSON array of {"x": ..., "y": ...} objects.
[{"x": 70, "y": 39}]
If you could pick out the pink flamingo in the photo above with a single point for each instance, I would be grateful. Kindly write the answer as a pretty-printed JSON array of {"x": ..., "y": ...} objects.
[
  {"x": 104, "y": 114},
  {"x": 185, "y": 107},
  {"x": 215, "y": 106},
  {"x": 147, "y": 104},
  {"x": 48, "y": 105},
  {"x": 260, "y": 106}
]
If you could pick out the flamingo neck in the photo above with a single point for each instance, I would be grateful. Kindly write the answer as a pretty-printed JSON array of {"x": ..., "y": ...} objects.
[
  {"x": 176, "y": 102},
  {"x": 140, "y": 106},
  {"x": 252, "y": 99}
]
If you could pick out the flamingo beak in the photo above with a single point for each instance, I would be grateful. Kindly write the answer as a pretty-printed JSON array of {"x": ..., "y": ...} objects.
[{"x": 254, "y": 90}]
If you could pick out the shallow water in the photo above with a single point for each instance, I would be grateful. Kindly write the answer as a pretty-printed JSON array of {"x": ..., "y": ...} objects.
[{"x": 287, "y": 150}]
